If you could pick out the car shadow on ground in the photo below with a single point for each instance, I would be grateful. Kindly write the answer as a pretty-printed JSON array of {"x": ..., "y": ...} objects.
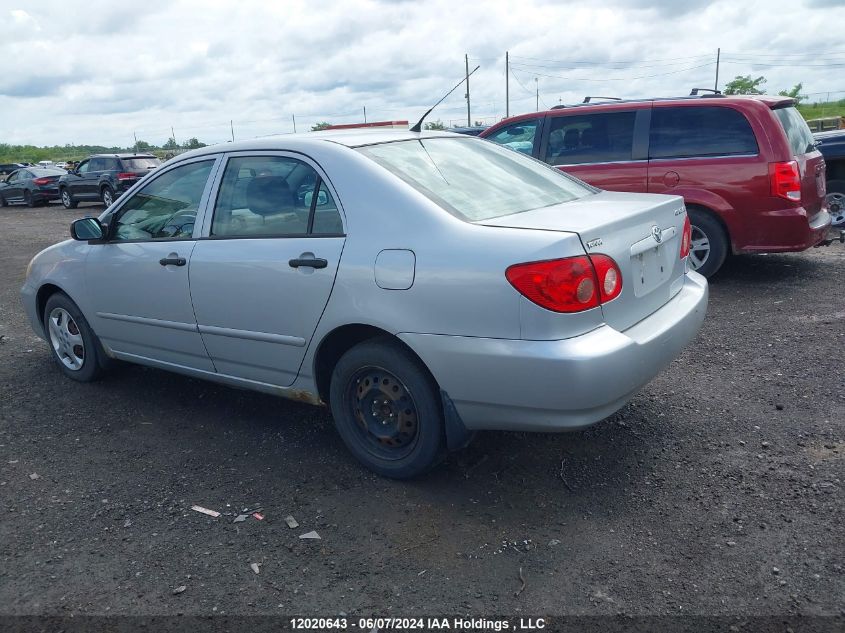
[{"x": 765, "y": 269}]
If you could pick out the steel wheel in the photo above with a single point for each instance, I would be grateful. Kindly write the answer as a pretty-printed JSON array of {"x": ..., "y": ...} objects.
[
  {"x": 108, "y": 197},
  {"x": 385, "y": 412},
  {"x": 699, "y": 250},
  {"x": 66, "y": 339},
  {"x": 836, "y": 207}
]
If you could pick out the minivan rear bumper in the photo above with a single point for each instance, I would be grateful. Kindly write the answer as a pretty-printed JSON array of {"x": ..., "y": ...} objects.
[
  {"x": 788, "y": 230},
  {"x": 560, "y": 385}
]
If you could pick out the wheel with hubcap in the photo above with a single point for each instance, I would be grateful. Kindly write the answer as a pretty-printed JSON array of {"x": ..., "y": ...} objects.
[
  {"x": 74, "y": 345},
  {"x": 709, "y": 243},
  {"x": 387, "y": 409},
  {"x": 27, "y": 198},
  {"x": 67, "y": 199},
  {"x": 835, "y": 200},
  {"x": 108, "y": 196}
]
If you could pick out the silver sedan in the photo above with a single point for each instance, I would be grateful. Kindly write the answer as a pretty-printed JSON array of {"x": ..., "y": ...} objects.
[{"x": 424, "y": 286}]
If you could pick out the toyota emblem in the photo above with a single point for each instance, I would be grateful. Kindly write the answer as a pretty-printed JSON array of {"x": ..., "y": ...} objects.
[{"x": 657, "y": 234}]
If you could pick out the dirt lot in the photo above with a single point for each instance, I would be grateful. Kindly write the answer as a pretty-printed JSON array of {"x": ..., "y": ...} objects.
[{"x": 717, "y": 490}]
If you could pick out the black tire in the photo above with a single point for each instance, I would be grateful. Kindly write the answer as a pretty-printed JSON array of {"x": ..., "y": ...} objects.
[
  {"x": 67, "y": 199},
  {"x": 107, "y": 196},
  {"x": 379, "y": 384},
  {"x": 90, "y": 368},
  {"x": 3, "y": 202},
  {"x": 707, "y": 261},
  {"x": 27, "y": 198},
  {"x": 836, "y": 201}
]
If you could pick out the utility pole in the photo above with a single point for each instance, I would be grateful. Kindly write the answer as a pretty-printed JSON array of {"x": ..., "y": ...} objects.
[
  {"x": 718, "y": 54},
  {"x": 469, "y": 119},
  {"x": 293, "y": 116},
  {"x": 232, "y": 127},
  {"x": 365, "y": 114},
  {"x": 172, "y": 134},
  {"x": 537, "y": 85},
  {"x": 135, "y": 134},
  {"x": 507, "y": 91}
]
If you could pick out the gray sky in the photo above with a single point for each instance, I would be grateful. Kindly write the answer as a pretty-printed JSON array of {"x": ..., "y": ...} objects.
[{"x": 98, "y": 71}]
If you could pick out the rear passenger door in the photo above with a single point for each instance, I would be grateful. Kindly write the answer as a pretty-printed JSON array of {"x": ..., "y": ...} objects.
[
  {"x": 605, "y": 149},
  {"x": 264, "y": 271}
]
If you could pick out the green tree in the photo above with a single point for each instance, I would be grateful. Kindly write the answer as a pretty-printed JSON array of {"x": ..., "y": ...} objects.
[
  {"x": 322, "y": 125},
  {"x": 435, "y": 125},
  {"x": 193, "y": 143},
  {"x": 171, "y": 144},
  {"x": 142, "y": 146},
  {"x": 745, "y": 85},
  {"x": 793, "y": 93}
]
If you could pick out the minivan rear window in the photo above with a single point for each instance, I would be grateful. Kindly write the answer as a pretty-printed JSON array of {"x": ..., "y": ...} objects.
[
  {"x": 685, "y": 132},
  {"x": 797, "y": 131}
]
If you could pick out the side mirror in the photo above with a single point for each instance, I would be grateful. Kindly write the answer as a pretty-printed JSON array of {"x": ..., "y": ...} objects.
[{"x": 85, "y": 229}]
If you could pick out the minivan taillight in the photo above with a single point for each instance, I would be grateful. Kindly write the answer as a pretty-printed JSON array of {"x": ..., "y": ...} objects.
[
  {"x": 126, "y": 176},
  {"x": 686, "y": 238},
  {"x": 571, "y": 284},
  {"x": 785, "y": 180}
]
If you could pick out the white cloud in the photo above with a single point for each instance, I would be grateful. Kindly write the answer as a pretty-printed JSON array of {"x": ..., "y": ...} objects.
[{"x": 99, "y": 75}]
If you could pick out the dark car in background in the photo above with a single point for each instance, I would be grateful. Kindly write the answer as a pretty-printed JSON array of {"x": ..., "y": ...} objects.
[
  {"x": 8, "y": 168},
  {"x": 31, "y": 186},
  {"x": 832, "y": 147},
  {"x": 103, "y": 177},
  {"x": 747, "y": 166}
]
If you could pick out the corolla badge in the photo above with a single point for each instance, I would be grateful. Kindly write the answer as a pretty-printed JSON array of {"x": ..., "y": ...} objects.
[{"x": 657, "y": 234}]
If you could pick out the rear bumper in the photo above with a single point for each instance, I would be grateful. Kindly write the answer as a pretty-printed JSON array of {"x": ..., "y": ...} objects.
[
  {"x": 47, "y": 194},
  {"x": 567, "y": 384},
  {"x": 787, "y": 230}
]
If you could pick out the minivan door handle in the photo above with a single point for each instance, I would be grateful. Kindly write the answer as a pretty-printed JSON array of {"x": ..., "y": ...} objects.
[
  {"x": 172, "y": 261},
  {"x": 313, "y": 262}
]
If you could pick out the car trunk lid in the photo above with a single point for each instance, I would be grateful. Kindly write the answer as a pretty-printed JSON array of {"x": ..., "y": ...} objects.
[{"x": 641, "y": 232}]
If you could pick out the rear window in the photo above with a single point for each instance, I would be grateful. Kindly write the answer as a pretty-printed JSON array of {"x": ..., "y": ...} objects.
[
  {"x": 48, "y": 171},
  {"x": 475, "y": 180},
  {"x": 140, "y": 164},
  {"x": 797, "y": 131},
  {"x": 699, "y": 131}
]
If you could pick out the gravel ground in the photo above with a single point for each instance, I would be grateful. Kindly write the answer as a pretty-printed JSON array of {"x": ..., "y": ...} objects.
[{"x": 718, "y": 490}]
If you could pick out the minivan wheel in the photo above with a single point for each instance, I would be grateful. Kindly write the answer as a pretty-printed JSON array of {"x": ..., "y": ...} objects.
[
  {"x": 107, "y": 196},
  {"x": 709, "y": 244},
  {"x": 387, "y": 409},
  {"x": 73, "y": 344},
  {"x": 67, "y": 200},
  {"x": 835, "y": 199}
]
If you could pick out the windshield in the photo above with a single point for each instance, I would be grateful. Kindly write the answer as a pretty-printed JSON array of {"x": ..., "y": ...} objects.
[
  {"x": 797, "y": 131},
  {"x": 475, "y": 180},
  {"x": 140, "y": 163}
]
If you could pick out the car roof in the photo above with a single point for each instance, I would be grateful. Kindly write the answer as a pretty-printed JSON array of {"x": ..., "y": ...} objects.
[
  {"x": 123, "y": 156},
  {"x": 348, "y": 138}
]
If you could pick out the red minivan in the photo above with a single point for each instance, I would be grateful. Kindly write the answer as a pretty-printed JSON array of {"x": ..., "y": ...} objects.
[{"x": 747, "y": 166}]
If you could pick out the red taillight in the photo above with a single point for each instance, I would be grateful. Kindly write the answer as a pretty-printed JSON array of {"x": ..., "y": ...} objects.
[
  {"x": 126, "y": 176},
  {"x": 41, "y": 181},
  {"x": 572, "y": 284},
  {"x": 785, "y": 180},
  {"x": 686, "y": 238}
]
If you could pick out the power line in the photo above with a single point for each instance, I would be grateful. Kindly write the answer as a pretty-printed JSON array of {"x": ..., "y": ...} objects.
[
  {"x": 605, "y": 62},
  {"x": 674, "y": 72}
]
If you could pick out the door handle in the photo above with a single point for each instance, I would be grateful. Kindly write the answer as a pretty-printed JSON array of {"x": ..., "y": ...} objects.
[
  {"x": 172, "y": 261},
  {"x": 313, "y": 262}
]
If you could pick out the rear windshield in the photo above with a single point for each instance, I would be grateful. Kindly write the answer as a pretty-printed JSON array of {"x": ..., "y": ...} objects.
[
  {"x": 140, "y": 163},
  {"x": 475, "y": 180},
  {"x": 797, "y": 131},
  {"x": 48, "y": 171}
]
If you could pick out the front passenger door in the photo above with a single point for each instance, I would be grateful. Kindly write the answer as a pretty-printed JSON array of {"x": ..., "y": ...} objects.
[
  {"x": 138, "y": 278},
  {"x": 76, "y": 179}
]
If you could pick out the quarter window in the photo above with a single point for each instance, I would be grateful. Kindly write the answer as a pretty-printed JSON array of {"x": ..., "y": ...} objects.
[
  {"x": 518, "y": 136},
  {"x": 591, "y": 138},
  {"x": 84, "y": 166},
  {"x": 699, "y": 131},
  {"x": 273, "y": 196},
  {"x": 166, "y": 208}
]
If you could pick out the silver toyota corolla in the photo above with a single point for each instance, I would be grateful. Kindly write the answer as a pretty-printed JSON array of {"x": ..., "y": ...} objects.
[{"x": 425, "y": 286}]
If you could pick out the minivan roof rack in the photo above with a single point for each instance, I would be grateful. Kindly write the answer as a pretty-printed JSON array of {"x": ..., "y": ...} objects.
[
  {"x": 694, "y": 92},
  {"x": 588, "y": 99}
]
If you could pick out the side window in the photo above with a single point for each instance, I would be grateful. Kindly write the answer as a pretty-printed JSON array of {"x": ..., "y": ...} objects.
[
  {"x": 591, "y": 138},
  {"x": 699, "y": 131},
  {"x": 111, "y": 164},
  {"x": 166, "y": 208},
  {"x": 518, "y": 136},
  {"x": 14, "y": 176},
  {"x": 272, "y": 196},
  {"x": 84, "y": 166}
]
